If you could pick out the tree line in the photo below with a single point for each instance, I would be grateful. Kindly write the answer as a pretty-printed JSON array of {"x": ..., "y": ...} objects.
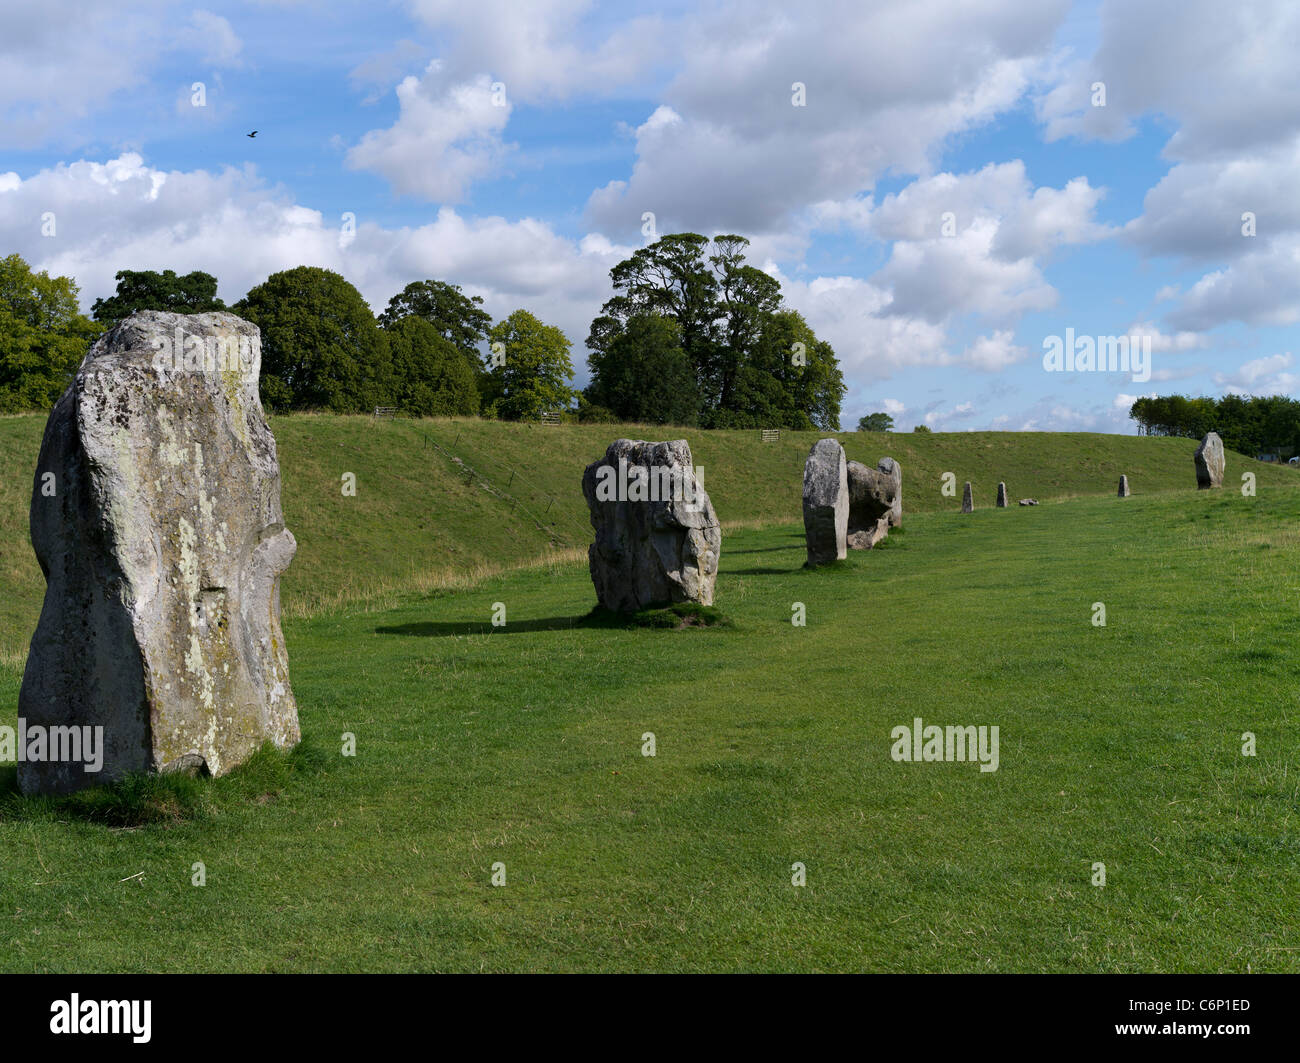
[
  {"x": 1248, "y": 424},
  {"x": 692, "y": 336}
]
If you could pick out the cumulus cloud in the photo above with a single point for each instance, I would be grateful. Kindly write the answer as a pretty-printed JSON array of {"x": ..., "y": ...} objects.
[
  {"x": 125, "y": 214},
  {"x": 885, "y": 85},
  {"x": 1261, "y": 376}
]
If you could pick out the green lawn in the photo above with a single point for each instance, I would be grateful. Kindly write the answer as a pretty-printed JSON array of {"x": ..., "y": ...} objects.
[{"x": 522, "y": 745}]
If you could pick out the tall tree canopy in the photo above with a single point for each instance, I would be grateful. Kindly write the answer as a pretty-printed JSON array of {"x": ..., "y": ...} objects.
[
  {"x": 459, "y": 318},
  {"x": 194, "y": 293},
  {"x": 535, "y": 372},
  {"x": 730, "y": 325},
  {"x": 321, "y": 346},
  {"x": 43, "y": 336},
  {"x": 430, "y": 376}
]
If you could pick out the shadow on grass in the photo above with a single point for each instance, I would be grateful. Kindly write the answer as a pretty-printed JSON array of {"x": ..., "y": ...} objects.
[
  {"x": 680, "y": 615},
  {"x": 144, "y": 799}
]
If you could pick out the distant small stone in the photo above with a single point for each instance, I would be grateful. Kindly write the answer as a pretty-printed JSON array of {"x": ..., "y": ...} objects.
[
  {"x": 1002, "y": 496},
  {"x": 1029, "y": 502},
  {"x": 967, "y": 499},
  {"x": 1209, "y": 462},
  {"x": 1123, "y": 487}
]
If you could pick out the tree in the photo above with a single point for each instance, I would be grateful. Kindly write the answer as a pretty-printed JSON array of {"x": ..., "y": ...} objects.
[
  {"x": 643, "y": 374},
  {"x": 876, "y": 422},
  {"x": 430, "y": 376},
  {"x": 534, "y": 375},
  {"x": 727, "y": 314},
  {"x": 321, "y": 347},
  {"x": 194, "y": 293},
  {"x": 43, "y": 336},
  {"x": 457, "y": 317},
  {"x": 921, "y": 428}
]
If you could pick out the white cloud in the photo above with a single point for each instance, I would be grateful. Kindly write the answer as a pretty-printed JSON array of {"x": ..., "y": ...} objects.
[
  {"x": 1261, "y": 376},
  {"x": 443, "y": 139}
]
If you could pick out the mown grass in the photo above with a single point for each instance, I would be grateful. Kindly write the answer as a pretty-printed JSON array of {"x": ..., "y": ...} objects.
[
  {"x": 443, "y": 502},
  {"x": 523, "y": 745}
]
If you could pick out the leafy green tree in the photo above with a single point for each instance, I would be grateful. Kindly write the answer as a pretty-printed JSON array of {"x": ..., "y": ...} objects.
[
  {"x": 430, "y": 376},
  {"x": 194, "y": 293},
  {"x": 643, "y": 374},
  {"x": 43, "y": 336},
  {"x": 876, "y": 422},
  {"x": 459, "y": 318},
  {"x": 535, "y": 372},
  {"x": 727, "y": 314},
  {"x": 921, "y": 428},
  {"x": 321, "y": 347}
]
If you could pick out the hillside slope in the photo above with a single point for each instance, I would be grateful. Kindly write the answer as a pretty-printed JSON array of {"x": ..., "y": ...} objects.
[{"x": 440, "y": 498}]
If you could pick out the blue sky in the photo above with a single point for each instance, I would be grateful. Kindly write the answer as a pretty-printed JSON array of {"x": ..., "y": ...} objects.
[{"x": 514, "y": 148}]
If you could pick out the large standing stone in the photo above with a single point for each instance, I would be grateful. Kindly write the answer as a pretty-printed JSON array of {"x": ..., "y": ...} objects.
[
  {"x": 1123, "y": 487},
  {"x": 894, "y": 471},
  {"x": 967, "y": 499},
  {"x": 872, "y": 496},
  {"x": 657, "y": 537},
  {"x": 826, "y": 502},
  {"x": 1002, "y": 495},
  {"x": 1209, "y": 462},
  {"x": 162, "y": 548}
]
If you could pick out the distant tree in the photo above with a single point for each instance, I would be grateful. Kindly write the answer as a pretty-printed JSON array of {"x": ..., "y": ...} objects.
[
  {"x": 876, "y": 422},
  {"x": 536, "y": 371},
  {"x": 921, "y": 428},
  {"x": 43, "y": 336},
  {"x": 430, "y": 376},
  {"x": 643, "y": 374},
  {"x": 194, "y": 293},
  {"x": 321, "y": 347},
  {"x": 459, "y": 318}
]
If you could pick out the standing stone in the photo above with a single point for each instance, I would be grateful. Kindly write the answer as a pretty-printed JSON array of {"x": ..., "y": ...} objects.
[
  {"x": 1123, "y": 487},
  {"x": 872, "y": 495},
  {"x": 894, "y": 471},
  {"x": 162, "y": 552},
  {"x": 826, "y": 502},
  {"x": 967, "y": 499},
  {"x": 657, "y": 536},
  {"x": 1209, "y": 462},
  {"x": 1002, "y": 496}
]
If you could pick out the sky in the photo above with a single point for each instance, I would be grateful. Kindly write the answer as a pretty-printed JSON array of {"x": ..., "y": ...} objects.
[{"x": 947, "y": 190}]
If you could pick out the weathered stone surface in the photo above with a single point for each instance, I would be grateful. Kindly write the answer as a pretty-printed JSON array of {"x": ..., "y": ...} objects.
[
  {"x": 1029, "y": 502},
  {"x": 826, "y": 502},
  {"x": 1209, "y": 462},
  {"x": 1123, "y": 487},
  {"x": 894, "y": 471},
  {"x": 162, "y": 550},
  {"x": 1002, "y": 495},
  {"x": 873, "y": 495},
  {"x": 967, "y": 499},
  {"x": 658, "y": 538}
]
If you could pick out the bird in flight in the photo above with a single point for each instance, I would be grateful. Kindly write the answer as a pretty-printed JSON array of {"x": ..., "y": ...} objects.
[{"x": 253, "y": 133}]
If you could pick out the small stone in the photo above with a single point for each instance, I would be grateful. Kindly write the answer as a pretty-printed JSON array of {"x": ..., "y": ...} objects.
[
  {"x": 967, "y": 499},
  {"x": 1123, "y": 487},
  {"x": 1002, "y": 496},
  {"x": 1209, "y": 462},
  {"x": 1029, "y": 502}
]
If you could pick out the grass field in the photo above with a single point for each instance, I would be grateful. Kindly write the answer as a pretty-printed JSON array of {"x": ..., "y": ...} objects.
[{"x": 523, "y": 745}]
